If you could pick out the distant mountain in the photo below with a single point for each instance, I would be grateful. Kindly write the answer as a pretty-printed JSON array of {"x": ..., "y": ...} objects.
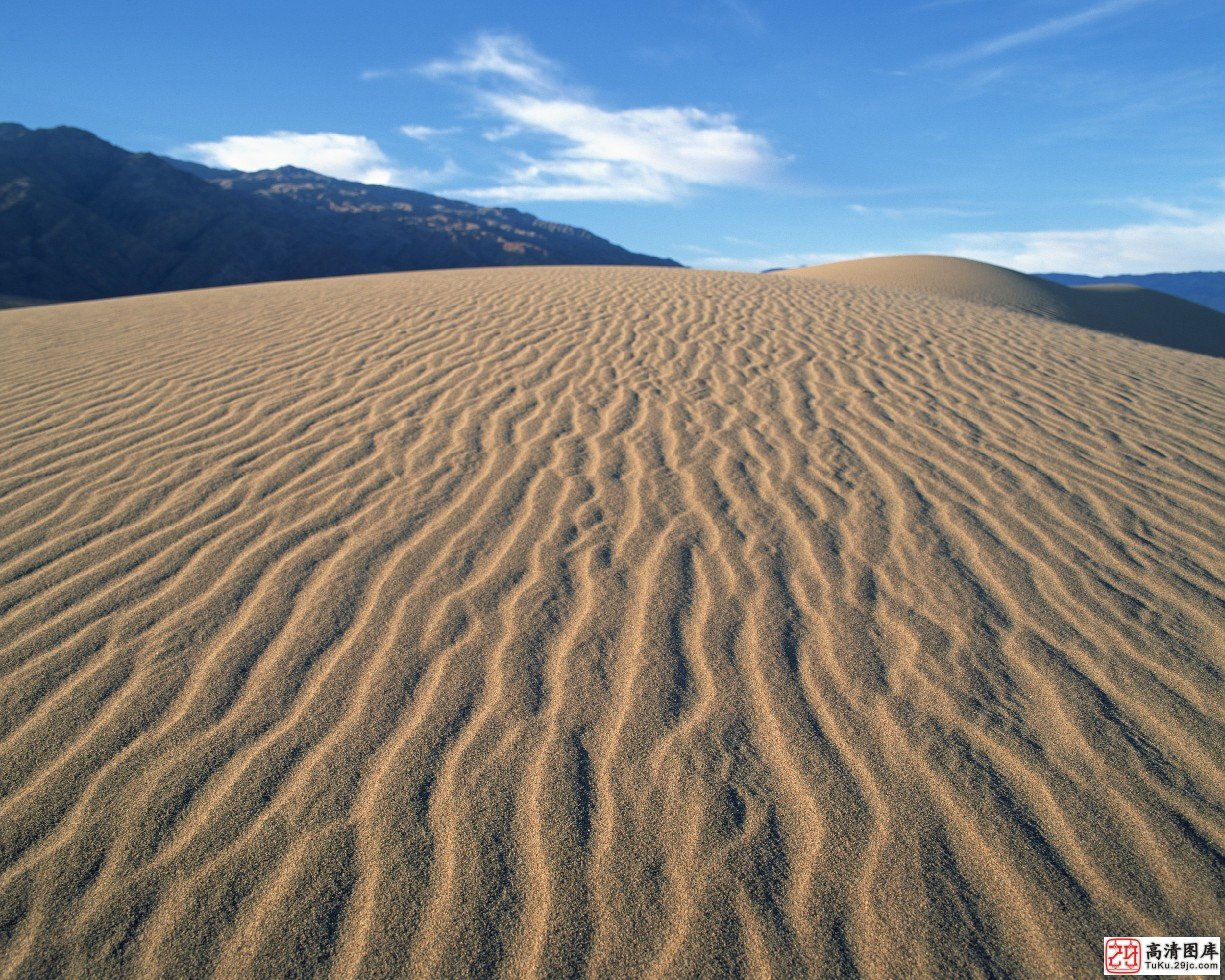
[
  {"x": 1205, "y": 288},
  {"x": 83, "y": 219}
]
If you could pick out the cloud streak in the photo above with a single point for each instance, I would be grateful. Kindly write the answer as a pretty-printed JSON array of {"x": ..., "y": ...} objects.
[
  {"x": 1045, "y": 31},
  {"x": 341, "y": 155},
  {"x": 745, "y": 15},
  {"x": 498, "y": 55},
  {"x": 426, "y": 133},
  {"x": 592, "y": 153},
  {"x": 556, "y": 144}
]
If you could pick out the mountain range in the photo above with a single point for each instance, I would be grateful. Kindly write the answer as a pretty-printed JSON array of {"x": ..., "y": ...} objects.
[
  {"x": 1205, "y": 288},
  {"x": 81, "y": 219}
]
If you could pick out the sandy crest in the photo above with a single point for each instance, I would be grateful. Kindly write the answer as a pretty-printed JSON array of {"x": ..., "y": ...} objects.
[
  {"x": 602, "y": 621},
  {"x": 1119, "y": 308}
]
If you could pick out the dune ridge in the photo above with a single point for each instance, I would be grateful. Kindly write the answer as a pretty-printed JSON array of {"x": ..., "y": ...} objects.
[
  {"x": 1119, "y": 308},
  {"x": 600, "y": 621}
]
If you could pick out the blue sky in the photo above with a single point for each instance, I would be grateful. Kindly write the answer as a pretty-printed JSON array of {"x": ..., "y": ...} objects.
[{"x": 1072, "y": 135}]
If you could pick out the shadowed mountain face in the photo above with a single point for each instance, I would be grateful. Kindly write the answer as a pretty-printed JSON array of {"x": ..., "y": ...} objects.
[
  {"x": 83, "y": 219},
  {"x": 405, "y": 229},
  {"x": 1205, "y": 288}
]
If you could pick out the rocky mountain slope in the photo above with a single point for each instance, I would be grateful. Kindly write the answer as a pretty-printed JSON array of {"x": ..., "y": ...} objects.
[{"x": 83, "y": 219}]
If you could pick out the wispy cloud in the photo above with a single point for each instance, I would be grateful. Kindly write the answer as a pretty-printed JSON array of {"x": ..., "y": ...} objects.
[
  {"x": 374, "y": 74},
  {"x": 748, "y": 242},
  {"x": 427, "y": 133},
  {"x": 341, "y": 155},
  {"x": 498, "y": 55},
  {"x": 745, "y": 14},
  {"x": 630, "y": 154},
  {"x": 1182, "y": 239},
  {"x": 918, "y": 211},
  {"x": 1044, "y": 31},
  {"x": 1163, "y": 209},
  {"x": 557, "y": 143},
  {"x": 593, "y": 153},
  {"x": 1116, "y": 100}
]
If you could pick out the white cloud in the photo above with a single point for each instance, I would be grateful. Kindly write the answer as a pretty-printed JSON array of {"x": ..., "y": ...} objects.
[
  {"x": 1046, "y": 30},
  {"x": 340, "y": 155},
  {"x": 334, "y": 154},
  {"x": 501, "y": 55},
  {"x": 626, "y": 155},
  {"x": 1195, "y": 243},
  {"x": 559, "y": 145},
  {"x": 646, "y": 154},
  {"x": 426, "y": 133}
]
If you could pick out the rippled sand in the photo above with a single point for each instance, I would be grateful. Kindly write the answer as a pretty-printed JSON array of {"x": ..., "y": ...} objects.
[{"x": 602, "y": 621}]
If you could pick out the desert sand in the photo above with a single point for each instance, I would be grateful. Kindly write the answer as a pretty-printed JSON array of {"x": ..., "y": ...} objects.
[{"x": 597, "y": 622}]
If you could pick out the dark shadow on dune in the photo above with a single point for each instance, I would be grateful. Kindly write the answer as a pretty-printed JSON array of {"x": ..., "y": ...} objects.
[
  {"x": 1123, "y": 309},
  {"x": 1154, "y": 317}
]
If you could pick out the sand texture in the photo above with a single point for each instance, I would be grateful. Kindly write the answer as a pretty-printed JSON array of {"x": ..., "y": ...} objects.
[{"x": 599, "y": 622}]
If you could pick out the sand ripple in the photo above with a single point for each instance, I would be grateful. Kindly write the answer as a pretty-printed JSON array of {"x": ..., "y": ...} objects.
[{"x": 596, "y": 621}]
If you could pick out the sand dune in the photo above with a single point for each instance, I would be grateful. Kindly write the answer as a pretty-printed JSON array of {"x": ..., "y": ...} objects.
[
  {"x": 1131, "y": 311},
  {"x": 602, "y": 622}
]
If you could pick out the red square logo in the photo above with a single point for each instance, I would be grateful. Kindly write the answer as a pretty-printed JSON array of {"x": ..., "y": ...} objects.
[{"x": 1123, "y": 956}]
